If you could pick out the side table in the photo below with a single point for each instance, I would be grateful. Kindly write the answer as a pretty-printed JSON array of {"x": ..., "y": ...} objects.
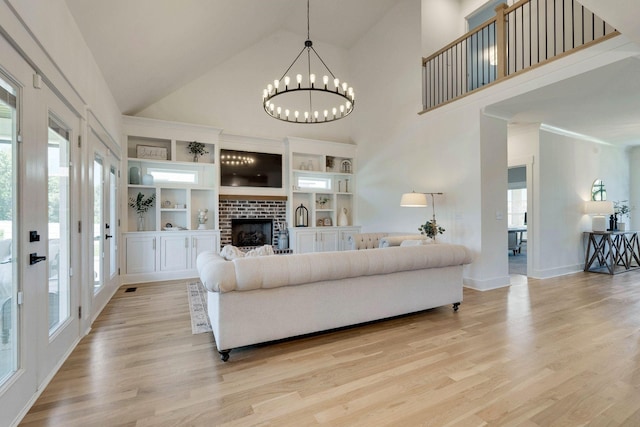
[{"x": 612, "y": 252}]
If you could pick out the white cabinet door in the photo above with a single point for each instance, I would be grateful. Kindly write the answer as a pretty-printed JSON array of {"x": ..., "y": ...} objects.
[
  {"x": 345, "y": 233},
  {"x": 200, "y": 243},
  {"x": 174, "y": 252},
  {"x": 327, "y": 240},
  {"x": 305, "y": 241},
  {"x": 140, "y": 254}
]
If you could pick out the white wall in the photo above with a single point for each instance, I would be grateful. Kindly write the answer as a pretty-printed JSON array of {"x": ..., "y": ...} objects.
[
  {"x": 564, "y": 168},
  {"x": 66, "y": 59},
  {"x": 634, "y": 194},
  {"x": 442, "y": 23},
  {"x": 230, "y": 96},
  {"x": 622, "y": 14},
  {"x": 567, "y": 168}
]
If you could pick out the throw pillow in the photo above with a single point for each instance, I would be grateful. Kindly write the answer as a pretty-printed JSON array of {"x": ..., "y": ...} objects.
[
  {"x": 230, "y": 252},
  {"x": 261, "y": 251}
]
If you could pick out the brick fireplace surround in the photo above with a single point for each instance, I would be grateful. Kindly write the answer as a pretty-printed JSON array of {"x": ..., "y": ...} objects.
[{"x": 246, "y": 207}]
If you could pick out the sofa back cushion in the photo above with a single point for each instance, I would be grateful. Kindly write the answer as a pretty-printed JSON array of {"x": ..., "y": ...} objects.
[
  {"x": 245, "y": 274},
  {"x": 360, "y": 241}
]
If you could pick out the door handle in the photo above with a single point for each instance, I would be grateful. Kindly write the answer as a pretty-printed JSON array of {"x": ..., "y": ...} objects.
[
  {"x": 108, "y": 236},
  {"x": 34, "y": 258}
]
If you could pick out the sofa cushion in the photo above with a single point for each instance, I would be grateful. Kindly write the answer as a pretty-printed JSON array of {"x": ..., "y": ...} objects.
[
  {"x": 385, "y": 242},
  {"x": 216, "y": 273},
  {"x": 250, "y": 273},
  {"x": 360, "y": 241}
]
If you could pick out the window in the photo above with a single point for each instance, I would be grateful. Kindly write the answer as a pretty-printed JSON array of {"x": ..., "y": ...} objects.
[
  {"x": 314, "y": 183},
  {"x": 171, "y": 175},
  {"x": 517, "y": 207}
]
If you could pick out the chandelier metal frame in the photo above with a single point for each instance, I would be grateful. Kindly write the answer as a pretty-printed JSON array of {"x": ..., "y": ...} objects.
[{"x": 342, "y": 91}]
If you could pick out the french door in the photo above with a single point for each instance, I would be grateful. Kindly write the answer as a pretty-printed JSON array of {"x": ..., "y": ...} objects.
[
  {"x": 62, "y": 300},
  {"x": 105, "y": 177},
  {"x": 39, "y": 203}
]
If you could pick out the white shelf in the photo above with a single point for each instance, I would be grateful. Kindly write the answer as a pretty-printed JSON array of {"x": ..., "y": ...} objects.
[
  {"x": 174, "y": 138},
  {"x": 326, "y": 158}
]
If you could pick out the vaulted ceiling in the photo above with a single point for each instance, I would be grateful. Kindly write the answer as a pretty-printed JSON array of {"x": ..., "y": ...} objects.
[{"x": 146, "y": 49}]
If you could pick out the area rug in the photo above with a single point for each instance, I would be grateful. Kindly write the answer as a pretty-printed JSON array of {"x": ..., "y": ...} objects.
[{"x": 198, "y": 308}]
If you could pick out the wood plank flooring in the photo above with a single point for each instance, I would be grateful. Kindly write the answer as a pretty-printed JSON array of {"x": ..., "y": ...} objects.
[{"x": 557, "y": 352}]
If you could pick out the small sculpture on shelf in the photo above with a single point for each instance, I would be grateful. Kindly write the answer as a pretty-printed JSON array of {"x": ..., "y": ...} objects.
[
  {"x": 197, "y": 149},
  {"x": 343, "y": 220},
  {"x": 141, "y": 205},
  {"x": 202, "y": 219}
]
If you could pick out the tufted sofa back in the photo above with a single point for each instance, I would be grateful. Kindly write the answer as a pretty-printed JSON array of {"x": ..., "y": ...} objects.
[
  {"x": 365, "y": 240},
  {"x": 263, "y": 272}
]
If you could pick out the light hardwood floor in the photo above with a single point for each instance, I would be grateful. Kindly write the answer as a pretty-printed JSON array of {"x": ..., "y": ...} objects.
[{"x": 563, "y": 351}]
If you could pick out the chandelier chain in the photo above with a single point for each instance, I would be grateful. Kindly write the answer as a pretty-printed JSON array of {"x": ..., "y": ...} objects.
[{"x": 308, "y": 26}]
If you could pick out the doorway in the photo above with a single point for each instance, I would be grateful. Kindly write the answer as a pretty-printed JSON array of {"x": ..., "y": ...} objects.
[{"x": 517, "y": 207}]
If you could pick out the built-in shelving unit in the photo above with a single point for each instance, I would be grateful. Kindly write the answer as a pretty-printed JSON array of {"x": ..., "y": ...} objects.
[
  {"x": 167, "y": 245},
  {"x": 322, "y": 179}
]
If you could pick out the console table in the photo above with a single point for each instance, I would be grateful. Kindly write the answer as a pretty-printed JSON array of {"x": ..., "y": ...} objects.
[{"x": 612, "y": 252}]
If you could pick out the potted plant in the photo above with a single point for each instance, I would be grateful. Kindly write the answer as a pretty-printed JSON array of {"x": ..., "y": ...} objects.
[
  {"x": 622, "y": 209},
  {"x": 322, "y": 201},
  {"x": 197, "y": 149},
  {"x": 141, "y": 205},
  {"x": 431, "y": 229}
]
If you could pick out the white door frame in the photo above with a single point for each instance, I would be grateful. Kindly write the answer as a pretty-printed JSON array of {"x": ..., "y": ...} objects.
[
  {"x": 110, "y": 280},
  {"x": 54, "y": 348}
]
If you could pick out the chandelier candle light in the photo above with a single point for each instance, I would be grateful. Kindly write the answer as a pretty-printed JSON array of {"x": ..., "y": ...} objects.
[{"x": 327, "y": 101}]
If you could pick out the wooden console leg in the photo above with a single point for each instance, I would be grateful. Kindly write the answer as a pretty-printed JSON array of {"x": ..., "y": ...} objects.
[
  {"x": 456, "y": 306},
  {"x": 224, "y": 355}
]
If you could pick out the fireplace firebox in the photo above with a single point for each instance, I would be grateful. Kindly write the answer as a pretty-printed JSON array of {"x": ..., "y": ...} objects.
[{"x": 251, "y": 232}]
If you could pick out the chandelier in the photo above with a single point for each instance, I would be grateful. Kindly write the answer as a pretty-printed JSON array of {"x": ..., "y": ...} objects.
[{"x": 308, "y": 100}]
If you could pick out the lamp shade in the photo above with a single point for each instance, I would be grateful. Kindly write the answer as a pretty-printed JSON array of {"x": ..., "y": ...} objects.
[
  {"x": 598, "y": 207},
  {"x": 413, "y": 200}
]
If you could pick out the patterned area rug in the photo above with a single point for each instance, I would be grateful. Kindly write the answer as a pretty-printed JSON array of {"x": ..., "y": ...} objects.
[{"x": 198, "y": 308}]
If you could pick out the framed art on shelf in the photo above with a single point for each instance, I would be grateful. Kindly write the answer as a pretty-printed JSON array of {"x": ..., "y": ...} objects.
[{"x": 150, "y": 152}]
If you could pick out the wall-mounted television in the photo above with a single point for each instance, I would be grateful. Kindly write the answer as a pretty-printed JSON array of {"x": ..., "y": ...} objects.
[{"x": 250, "y": 169}]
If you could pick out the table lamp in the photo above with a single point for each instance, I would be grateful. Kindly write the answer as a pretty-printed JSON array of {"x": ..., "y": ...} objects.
[{"x": 599, "y": 209}]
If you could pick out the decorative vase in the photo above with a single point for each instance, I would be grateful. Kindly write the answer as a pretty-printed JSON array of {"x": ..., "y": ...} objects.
[
  {"x": 134, "y": 176},
  {"x": 147, "y": 179},
  {"x": 342, "y": 218},
  {"x": 140, "y": 221},
  {"x": 195, "y": 158},
  {"x": 283, "y": 240}
]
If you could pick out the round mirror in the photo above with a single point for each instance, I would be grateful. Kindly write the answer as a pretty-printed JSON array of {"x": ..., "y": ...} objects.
[{"x": 598, "y": 192}]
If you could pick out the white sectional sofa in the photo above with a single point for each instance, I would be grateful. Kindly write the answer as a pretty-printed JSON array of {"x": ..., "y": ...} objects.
[{"x": 259, "y": 299}]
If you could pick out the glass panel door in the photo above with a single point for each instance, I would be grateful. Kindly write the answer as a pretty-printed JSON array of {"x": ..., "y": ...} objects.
[
  {"x": 9, "y": 326},
  {"x": 58, "y": 229},
  {"x": 111, "y": 227},
  {"x": 98, "y": 219}
]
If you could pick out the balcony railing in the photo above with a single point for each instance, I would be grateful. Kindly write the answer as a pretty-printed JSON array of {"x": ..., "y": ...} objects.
[{"x": 518, "y": 38}]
